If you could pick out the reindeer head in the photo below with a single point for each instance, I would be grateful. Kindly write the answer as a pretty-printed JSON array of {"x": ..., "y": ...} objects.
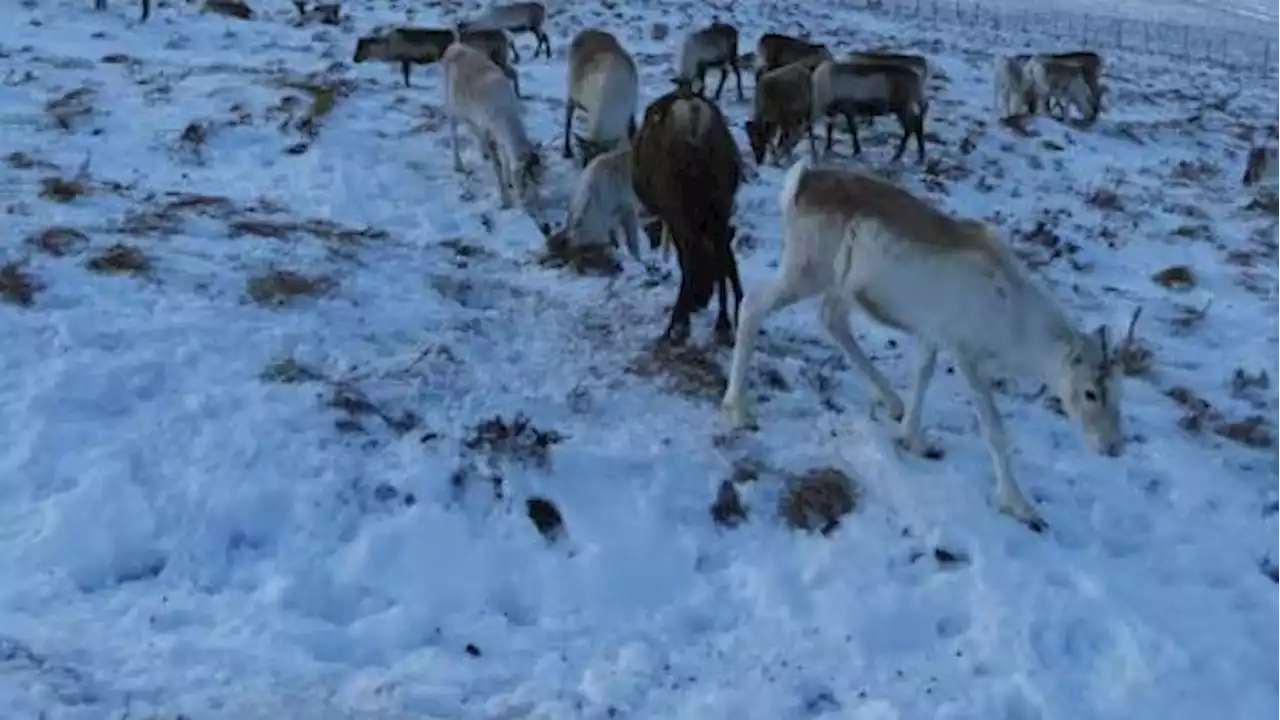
[
  {"x": 368, "y": 47},
  {"x": 1091, "y": 387}
]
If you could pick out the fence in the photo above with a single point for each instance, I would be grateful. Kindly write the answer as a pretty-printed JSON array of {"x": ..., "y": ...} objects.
[{"x": 1230, "y": 48}]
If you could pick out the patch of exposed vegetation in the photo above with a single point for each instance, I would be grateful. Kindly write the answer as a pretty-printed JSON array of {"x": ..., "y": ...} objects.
[
  {"x": 816, "y": 500},
  {"x": 71, "y": 106},
  {"x": 595, "y": 260},
  {"x": 17, "y": 286},
  {"x": 62, "y": 190},
  {"x": 1198, "y": 413},
  {"x": 689, "y": 370},
  {"x": 289, "y": 371},
  {"x": 1176, "y": 277},
  {"x": 280, "y": 287},
  {"x": 58, "y": 241},
  {"x": 22, "y": 161},
  {"x": 355, "y": 404},
  {"x": 120, "y": 259},
  {"x": 517, "y": 439}
]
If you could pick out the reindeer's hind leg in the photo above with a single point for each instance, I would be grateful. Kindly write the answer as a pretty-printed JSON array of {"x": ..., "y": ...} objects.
[
  {"x": 543, "y": 42},
  {"x": 835, "y": 318},
  {"x": 568, "y": 128},
  {"x": 724, "y": 75},
  {"x": 911, "y": 439},
  {"x": 511, "y": 43},
  {"x": 737, "y": 74},
  {"x": 678, "y": 326},
  {"x": 453, "y": 144},
  {"x": 146, "y": 11},
  {"x": 405, "y": 68},
  {"x": 853, "y": 130},
  {"x": 1008, "y": 496}
]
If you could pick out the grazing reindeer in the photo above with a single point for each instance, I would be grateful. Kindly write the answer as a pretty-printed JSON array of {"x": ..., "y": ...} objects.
[
  {"x": 1015, "y": 92},
  {"x": 775, "y": 50},
  {"x": 1259, "y": 165},
  {"x": 858, "y": 241},
  {"x": 783, "y": 106},
  {"x": 604, "y": 201},
  {"x": 603, "y": 83},
  {"x": 1090, "y": 64},
  {"x": 686, "y": 170},
  {"x": 519, "y": 17},
  {"x": 1065, "y": 81},
  {"x": 477, "y": 93},
  {"x": 411, "y": 46},
  {"x": 915, "y": 63},
  {"x": 715, "y": 46},
  {"x": 852, "y": 89},
  {"x": 146, "y": 8}
]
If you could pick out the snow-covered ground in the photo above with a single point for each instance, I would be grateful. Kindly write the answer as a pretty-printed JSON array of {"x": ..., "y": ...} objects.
[{"x": 214, "y": 506}]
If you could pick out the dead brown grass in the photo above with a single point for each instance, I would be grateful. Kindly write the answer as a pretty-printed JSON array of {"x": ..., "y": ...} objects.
[
  {"x": 1176, "y": 277},
  {"x": 689, "y": 370},
  {"x": 817, "y": 499},
  {"x": 17, "y": 286},
  {"x": 62, "y": 190},
  {"x": 120, "y": 259},
  {"x": 58, "y": 241},
  {"x": 280, "y": 287},
  {"x": 71, "y": 106}
]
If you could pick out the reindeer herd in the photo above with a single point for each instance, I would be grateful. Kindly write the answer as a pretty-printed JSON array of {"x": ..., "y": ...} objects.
[{"x": 850, "y": 240}]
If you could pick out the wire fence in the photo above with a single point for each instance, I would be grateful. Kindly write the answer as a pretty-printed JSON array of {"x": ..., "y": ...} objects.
[{"x": 1229, "y": 48}]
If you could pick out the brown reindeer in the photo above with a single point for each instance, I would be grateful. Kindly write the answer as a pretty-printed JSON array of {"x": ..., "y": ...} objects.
[
  {"x": 686, "y": 170},
  {"x": 146, "y": 8}
]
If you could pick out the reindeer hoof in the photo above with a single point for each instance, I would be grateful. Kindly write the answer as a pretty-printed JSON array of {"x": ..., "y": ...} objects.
[
  {"x": 921, "y": 448},
  {"x": 1019, "y": 509},
  {"x": 724, "y": 335},
  {"x": 736, "y": 415}
]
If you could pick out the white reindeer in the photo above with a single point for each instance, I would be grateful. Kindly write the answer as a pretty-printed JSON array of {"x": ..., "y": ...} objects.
[
  {"x": 478, "y": 93},
  {"x": 1015, "y": 95},
  {"x": 604, "y": 201},
  {"x": 603, "y": 83},
  {"x": 1065, "y": 81},
  {"x": 858, "y": 241}
]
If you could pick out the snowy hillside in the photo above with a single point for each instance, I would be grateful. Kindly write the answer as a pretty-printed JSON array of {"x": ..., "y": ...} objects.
[{"x": 283, "y": 397}]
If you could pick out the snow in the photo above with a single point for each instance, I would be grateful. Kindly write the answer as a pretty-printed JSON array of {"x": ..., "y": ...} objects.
[{"x": 182, "y": 532}]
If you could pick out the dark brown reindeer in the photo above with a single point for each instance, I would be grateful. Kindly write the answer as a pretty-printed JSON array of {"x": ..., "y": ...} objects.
[{"x": 686, "y": 170}]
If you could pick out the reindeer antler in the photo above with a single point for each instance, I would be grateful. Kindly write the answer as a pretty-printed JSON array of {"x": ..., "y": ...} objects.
[{"x": 1128, "y": 334}]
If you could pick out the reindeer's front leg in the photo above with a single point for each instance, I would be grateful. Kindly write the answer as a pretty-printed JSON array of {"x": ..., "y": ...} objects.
[
  {"x": 631, "y": 234},
  {"x": 503, "y": 173},
  {"x": 1008, "y": 496},
  {"x": 453, "y": 143}
]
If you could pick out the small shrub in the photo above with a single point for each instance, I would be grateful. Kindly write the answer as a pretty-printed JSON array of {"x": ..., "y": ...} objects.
[
  {"x": 57, "y": 189},
  {"x": 120, "y": 259},
  {"x": 516, "y": 438},
  {"x": 1176, "y": 277},
  {"x": 279, "y": 287},
  {"x": 17, "y": 287},
  {"x": 817, "y": 500},
  {"x": 58, "y": 241}
]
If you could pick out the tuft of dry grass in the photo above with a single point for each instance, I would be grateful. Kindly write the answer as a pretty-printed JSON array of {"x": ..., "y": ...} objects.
[
  {"x": 65, "y": 109},
  {"x": 289, "y": 371},
  {"x": 595, "y": 260},
  {"x": 279, "y": 287},
  {"x": 1105, "y": 198},
  {"x": 1176, "y": 277},
  {"x": 61, "y": 190},
  {"x": 690, "y": 371},
  {"x": 58, "y": 241},
  {"x": 816, "y": 500},
  {"x": 17, "y": 286},
  {"x": 517, "y": 438},
  {"x": 120, "y": 259}
]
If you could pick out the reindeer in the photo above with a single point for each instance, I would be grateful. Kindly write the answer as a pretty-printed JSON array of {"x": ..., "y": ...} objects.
[
  {"x": 858, "y": 241},
  {"x": 775, "y": 50},
  {"x": 323, "y": 14},
  {"x": 477, "y": 93},
  {"x": 783, "y": 106},
  {"x": 145, "y": 4},
  {"x": 1090, "y": 64},
  {"x": 411, "y": 46},
  {"x": 686, "y": 170},
  {"x": 852, "y": 89},
  {"x": 915, "y": 63},
  {"x": 519, "y": 17},
  {"x": 1259, "y": 165},
  {"x": 715, "y": 46},
  {"x": 603, "y": 83},
  {"x": 1015, "y": 93},
  {"x": 1067, "y": 81},
  {"x": 604, "y": 202}
]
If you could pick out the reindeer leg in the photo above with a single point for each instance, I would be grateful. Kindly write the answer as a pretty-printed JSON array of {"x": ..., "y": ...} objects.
[
  {"x": 723, "y": 329},
  {"x": 853, "y": 130},
  {"x": 405, "y": 67},
  {"x": 907, "y": 131},
  {"x": 631, "y": 233},
  {"x": 737, "y": 74},
  {"x": 511, "y": 43},
  {"x": 724, "y": 75},
  {"x": 835, "y": 318},
  {"x": 789, "y": 287},
  {"x": 146, "y": 9},
  {"x": 453, "y": 143},
  {"x": 99, "y": 4},
  {"x": 830, "y": 129},
  {"x": 568, "y": 128},
  {"x": 919, "y": 128},
  {"x": 678, "y": 326},
  {"x": 1008, "y": 496},
  {"x": 910, "y": 438},
  {"x": 504, "y": 175}
]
